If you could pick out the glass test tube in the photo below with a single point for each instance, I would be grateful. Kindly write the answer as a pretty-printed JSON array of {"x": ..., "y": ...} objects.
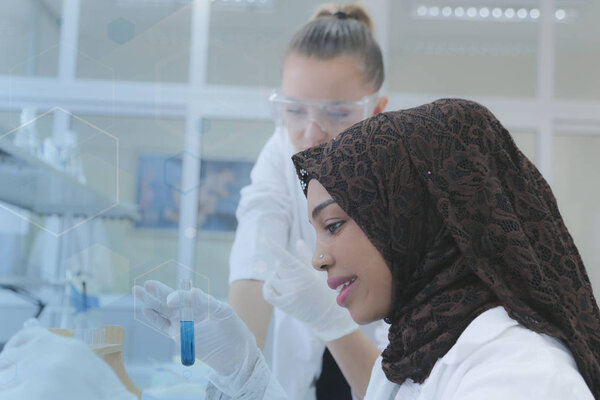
[{"x": 186, "y": 323}]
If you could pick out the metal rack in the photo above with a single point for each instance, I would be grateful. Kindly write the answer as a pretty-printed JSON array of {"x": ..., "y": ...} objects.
[{"x": 35, "y": 185}]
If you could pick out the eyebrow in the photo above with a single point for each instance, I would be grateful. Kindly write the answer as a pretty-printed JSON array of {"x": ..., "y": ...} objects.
[{"x": 320, "y": 207}]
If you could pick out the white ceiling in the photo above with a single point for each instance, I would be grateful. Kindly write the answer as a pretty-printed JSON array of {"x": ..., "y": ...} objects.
[
  {"x": 584, "y": 31},
  {"x": 245, "y": 48}
]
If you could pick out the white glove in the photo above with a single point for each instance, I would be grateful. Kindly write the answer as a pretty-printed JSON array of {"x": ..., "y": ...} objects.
[
  {"x": 36, "y": 364},
  {"x": 302, "y": 292},
  {"x": 221, "y": 339}
]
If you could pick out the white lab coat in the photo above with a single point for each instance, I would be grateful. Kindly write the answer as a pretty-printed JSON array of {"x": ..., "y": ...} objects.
[
  {"x": 36, "y": 364},
  {"x": 273, "y": 206},
  {"x": 495, "y": 358}
]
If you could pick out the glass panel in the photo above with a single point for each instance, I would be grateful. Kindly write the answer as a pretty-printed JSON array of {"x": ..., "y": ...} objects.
[
  {"x": 578, "y": 194},
  {"x": 578, "y": 53},
  {"x": 239, "y": 142},
  {"x": 247, "y": 44},
  {"x": 134, "y": 40},
  {"x": 129, "y": 246},
  {"x": 461, "y": 55},
  {"x": 135, "y": 135},
  {"x": 29, "y": 37},
  {"x": 526, "y": 143},
  {"x": 240, "y": 139},
  {"x": 145, "y": 247}
]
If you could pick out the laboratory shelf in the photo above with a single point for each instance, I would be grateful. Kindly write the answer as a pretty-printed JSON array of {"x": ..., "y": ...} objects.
[
  {"x": 30, "y": 183},
  {"x": 23, "y": 281}
]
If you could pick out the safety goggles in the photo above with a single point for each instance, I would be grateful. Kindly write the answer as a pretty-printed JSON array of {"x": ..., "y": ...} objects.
[{"x": 331, "y": 116}]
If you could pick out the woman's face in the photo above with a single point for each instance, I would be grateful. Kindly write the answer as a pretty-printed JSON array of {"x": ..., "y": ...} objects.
[
  {"x": 338, "y": 79},
  {"x": 349, "y": 258}
]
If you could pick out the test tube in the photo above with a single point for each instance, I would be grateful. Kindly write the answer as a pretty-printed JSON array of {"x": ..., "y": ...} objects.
[{"x": 186, "y": 323}]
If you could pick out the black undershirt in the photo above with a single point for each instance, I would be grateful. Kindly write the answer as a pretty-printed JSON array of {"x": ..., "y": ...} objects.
[{"x": 332, "y": 385}]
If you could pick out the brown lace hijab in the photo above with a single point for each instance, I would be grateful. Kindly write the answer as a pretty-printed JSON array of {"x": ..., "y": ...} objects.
[{"x": 465, "y": 222}]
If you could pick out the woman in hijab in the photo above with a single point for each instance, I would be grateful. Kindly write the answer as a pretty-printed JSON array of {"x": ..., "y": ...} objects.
[{"x": 432, "y": 219}]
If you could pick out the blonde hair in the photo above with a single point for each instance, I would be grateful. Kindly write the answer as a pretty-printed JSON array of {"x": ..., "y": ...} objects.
[
  {"x": 354, "y": 11},
  {"x": 341, "y": 30}
]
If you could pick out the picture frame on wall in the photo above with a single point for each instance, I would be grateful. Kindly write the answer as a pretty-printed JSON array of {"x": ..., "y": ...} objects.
[{"x": 159, "y": 191}]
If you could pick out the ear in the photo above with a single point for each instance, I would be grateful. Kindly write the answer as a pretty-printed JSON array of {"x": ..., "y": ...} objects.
[{"x": 380, "y": 106}]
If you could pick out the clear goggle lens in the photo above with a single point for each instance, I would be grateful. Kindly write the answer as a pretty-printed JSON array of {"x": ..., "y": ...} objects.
[{"x": 331, "y": 116}]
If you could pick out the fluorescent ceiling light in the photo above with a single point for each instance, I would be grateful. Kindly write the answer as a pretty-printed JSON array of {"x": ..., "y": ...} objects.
[{"x": 482, "y": 10}]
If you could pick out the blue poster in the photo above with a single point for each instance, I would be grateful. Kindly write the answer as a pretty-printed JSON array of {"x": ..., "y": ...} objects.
[{"x": 159, "y": 192}]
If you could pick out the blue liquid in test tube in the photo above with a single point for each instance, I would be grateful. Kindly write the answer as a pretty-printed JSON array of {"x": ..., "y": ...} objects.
[
  {"x": 187, "y": 343},
  {"x": 186, "y": 324}
]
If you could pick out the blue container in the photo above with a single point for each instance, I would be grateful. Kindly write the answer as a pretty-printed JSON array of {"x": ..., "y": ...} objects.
[{"x": 188, "y": 354}]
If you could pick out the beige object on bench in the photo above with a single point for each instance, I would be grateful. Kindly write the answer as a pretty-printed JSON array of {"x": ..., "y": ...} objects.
[{"x": 111, "y": 351}]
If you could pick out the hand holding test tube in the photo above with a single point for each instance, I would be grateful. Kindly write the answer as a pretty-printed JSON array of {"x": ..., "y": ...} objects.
[{"x": 220, "y": 337}]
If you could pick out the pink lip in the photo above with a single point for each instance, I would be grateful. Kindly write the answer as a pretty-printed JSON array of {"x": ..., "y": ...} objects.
[
  {"x": 336, "y": 281},
  {"x": 344, "y": 293}
]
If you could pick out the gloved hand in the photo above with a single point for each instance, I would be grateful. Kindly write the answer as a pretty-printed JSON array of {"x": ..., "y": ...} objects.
[
  {"x": 37, "y": 364},
  {"x": 222, "y": 340},
  {"x": 302, "y": 292}
]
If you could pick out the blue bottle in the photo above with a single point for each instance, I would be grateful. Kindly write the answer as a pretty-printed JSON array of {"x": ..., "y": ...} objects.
[{"x": 186, "y": 324}]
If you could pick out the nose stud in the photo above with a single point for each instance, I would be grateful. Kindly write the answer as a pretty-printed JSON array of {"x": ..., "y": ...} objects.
[{"x": 321, "y": 255}]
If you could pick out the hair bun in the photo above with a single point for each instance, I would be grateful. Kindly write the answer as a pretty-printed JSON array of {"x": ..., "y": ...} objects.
[
  {"x": 340, "y": 15},
  {"x": 353, "y": 11}
]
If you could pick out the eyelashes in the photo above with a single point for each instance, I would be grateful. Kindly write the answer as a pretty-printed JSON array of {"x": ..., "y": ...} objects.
[{"x": 332, "y": 228}]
